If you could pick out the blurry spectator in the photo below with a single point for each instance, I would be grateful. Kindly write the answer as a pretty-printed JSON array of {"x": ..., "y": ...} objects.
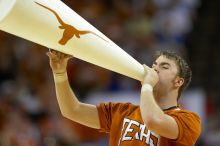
[{"x": 28, "y": 108}]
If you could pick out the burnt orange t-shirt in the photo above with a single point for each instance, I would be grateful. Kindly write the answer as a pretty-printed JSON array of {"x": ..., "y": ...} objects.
[{"x": 125, "y": 126}]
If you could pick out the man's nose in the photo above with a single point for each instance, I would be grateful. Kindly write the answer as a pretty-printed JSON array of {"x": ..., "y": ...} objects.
[{"x": 155, "y": 67}]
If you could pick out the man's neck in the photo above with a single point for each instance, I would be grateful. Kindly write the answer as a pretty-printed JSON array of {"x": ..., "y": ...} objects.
[{"x": 167, "y": 101}]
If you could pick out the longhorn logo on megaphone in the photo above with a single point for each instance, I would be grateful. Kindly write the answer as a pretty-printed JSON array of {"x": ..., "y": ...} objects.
[
  {"x": 53, "y": 24},
  {"x": 69, "y": 30}
]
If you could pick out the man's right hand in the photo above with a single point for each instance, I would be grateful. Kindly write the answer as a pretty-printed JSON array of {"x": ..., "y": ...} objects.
[
  {"x": 150, "y": 76},
  {"x": 58, "y": 61}
]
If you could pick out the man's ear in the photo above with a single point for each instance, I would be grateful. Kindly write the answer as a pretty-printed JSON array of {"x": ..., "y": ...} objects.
[{"x": 178, "y": 82}]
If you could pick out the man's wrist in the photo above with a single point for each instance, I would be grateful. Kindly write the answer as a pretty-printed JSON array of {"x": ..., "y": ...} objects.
[
  {"x": 146, "y": 87},
  {"x": 60, "y": 77}
]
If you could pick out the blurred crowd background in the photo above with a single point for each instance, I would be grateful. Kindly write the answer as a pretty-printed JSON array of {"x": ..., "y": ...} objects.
[{"x": 29, "y": 113}]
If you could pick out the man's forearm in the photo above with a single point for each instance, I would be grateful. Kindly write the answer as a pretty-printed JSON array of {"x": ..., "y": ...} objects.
[
  {"x": 70, "y": 106},
  {"x": 150, "y": 111},
  {"x": 66, "y": 98}
]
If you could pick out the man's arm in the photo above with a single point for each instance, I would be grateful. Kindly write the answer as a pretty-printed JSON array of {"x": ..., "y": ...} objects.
[
  {"x": 70, "y": 106},
  {"x": 152, "y": 115}
]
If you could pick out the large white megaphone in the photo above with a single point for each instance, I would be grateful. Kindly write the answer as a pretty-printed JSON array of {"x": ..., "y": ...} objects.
[{"x": 53, "y": 24}]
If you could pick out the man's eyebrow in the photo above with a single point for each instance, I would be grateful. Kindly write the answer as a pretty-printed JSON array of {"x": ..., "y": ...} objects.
[
  {"x": 165, "y": 63},
  {"x": 162, "y": 63}
]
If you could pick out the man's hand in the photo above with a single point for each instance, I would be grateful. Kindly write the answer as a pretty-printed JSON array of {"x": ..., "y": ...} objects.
[
  {"x": 58, "y": 61},
  {"x": 150, "y": 77}
]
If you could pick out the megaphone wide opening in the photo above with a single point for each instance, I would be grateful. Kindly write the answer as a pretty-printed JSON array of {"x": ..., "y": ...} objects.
[{"x": 5, "y": 7}]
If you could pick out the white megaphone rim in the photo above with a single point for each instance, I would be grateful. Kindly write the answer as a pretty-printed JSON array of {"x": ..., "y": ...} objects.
[{"x": 5, "y": 7}]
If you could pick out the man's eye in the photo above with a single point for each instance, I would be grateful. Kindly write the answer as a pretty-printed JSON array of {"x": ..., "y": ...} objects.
[{"x": 165, "y": 67}]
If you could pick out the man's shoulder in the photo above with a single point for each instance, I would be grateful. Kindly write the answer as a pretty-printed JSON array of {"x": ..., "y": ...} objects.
[
  {"x": 119, "y": 105},
  {"x": 184, "y": 113}
]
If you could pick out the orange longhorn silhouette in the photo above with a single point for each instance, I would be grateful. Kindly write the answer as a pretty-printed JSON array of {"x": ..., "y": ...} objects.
[{"x": 69, "y": 31}]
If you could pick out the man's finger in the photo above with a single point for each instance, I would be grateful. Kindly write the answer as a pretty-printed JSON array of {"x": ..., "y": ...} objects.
[{"x": 52, "y": 56}]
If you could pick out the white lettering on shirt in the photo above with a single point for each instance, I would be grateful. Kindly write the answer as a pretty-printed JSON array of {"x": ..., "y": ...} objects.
[{"x": 133, "y": 130}]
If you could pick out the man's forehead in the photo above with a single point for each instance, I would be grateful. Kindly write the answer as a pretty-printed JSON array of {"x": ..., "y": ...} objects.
[{"x": 164, "y": 59}]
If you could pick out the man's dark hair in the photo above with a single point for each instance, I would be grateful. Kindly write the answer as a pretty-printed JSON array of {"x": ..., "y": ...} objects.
[{"x": 184, "y": 71}]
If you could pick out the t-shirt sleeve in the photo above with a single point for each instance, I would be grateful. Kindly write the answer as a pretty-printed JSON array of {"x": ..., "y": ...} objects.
[
  {"x": 106, "y": 112},
  {"x": 189, "y": 127}
]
